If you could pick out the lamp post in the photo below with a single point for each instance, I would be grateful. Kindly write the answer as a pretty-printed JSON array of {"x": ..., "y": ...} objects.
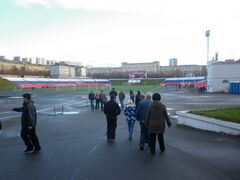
[{"x": 207, "y": 34}]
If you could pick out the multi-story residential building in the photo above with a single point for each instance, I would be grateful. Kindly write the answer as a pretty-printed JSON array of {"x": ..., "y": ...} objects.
[
  {"x": 50, "y": 62},
  {"x": 151, "y": 67},
  {"x": 32, "y": 60},
  {"x": 184, "y": 69},
  {"x": 25, "y": 60},
  {"x": 173, "y": 62},
  {"x": 81, "y": 71},
  {"x": 43, "y": 61},
  {"x": 71, "y": 63},
  {"x": 221, "y": 73},
  {"x": 38, "y": 61},
  {"x": 17, "y": 58},
  {"x": 2, "y": 57},
  {"x": 62, "y": 71},
  {"x": 103, "y": 70}
]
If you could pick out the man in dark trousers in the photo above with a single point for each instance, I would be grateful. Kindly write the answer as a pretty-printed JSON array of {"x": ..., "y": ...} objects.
[
  {"x": 29, "y": 122},
  {"x": 91, "y": 97},
  {"x": 111, "y": 110},
  {"x": 121, "y": 99},
  {"x": 141, "y": 115},
  {"x": 103, "y": 99},
  {"x": 156, "y": 118}
]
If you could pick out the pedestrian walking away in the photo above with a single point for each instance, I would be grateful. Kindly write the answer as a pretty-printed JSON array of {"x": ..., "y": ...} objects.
[
  {"x": 121, "y": 99},
  {"x": 103, "y": 99},
  {"x": 156, "y": 117},
  {"x": 141, "y": 115},
  {"x": 28, "y": 123},
  {"x": 131, "y": 94},
  {"x": 129, "y": 112},
  {"x": 111, "y": 110},
  {"x": 91, "y": 97},
  {"x": 137, "y": 98}
]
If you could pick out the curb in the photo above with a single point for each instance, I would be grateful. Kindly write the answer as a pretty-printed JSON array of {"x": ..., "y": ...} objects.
[{"x": 210, "y": 124}]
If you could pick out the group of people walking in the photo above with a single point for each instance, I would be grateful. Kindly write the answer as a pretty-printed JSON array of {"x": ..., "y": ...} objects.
[{"x": 147, "y": 109}]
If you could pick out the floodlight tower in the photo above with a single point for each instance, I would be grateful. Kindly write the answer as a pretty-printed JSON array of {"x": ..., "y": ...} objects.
[{"x": 207, "y": 34}]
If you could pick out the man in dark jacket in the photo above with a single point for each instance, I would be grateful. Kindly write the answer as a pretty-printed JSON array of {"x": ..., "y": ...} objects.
[
  {"x": 121, "y": 99},
  {"x": 103, "y": 99},
  {"x": 29, "y": 122},
  {"x": 91, "y": 97},
  {"x": 157, "y": 115},
  {"x": 113, "y": 93},
  {"x": 111, "y": 110},
  {"x": 141, "y": 115}
]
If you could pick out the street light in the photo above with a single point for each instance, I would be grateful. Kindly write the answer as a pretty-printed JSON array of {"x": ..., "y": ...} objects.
[{"x": 207, "y": 34}]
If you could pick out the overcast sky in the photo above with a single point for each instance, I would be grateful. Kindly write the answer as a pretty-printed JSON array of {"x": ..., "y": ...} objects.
[{"x": 108, "y": 32}]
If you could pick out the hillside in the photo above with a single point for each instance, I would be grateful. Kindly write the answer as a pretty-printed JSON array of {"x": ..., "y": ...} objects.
[{"x": 6, "y": 85}]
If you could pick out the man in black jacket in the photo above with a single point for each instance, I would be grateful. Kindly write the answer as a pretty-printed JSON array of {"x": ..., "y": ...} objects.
[
  {"x": 29, "y": 122},
  {"x": 111, "y": 110},
  {"x": 121, "y": 99},
  {"x": 91, "y": 97},
  {"x": 113, "y": 92}
]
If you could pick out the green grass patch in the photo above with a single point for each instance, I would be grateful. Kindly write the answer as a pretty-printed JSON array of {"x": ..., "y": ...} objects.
[
  {"x": 229, "y": 114},
  {"x": 117, "y": 82},
  {"x": 141, "y": 88},
  {"x": 6, "y": 85},
  {"x": 107, "y": 89}
]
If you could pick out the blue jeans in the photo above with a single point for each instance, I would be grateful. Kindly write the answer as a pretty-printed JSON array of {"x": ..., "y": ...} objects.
[
  {"x": 130, "y": 128},
  {"x": 143, "y": 134},
  {"x": 92, "y": 104}
]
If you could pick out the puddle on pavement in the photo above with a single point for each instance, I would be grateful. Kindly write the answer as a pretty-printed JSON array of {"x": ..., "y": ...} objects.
[
  {"x": 15, "y": 97},
  {"x": 66, "y": 113},
  {"x": 70, "y": 113}
]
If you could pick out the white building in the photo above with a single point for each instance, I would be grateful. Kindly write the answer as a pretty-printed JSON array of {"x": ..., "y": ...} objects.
[
  {"x": 2, "y": 57},
  {"x": 25, "y": 60},
  {"x": 173, "y": 62},
  {"x": 17, "y": 58},
  {"x": 151, "y": 67},
  {"x": 32, "y": 60},
  {"x": 81, "y": 72},
  {"x": 220, "y": 74},
  {"x": 62, "y": 71}
]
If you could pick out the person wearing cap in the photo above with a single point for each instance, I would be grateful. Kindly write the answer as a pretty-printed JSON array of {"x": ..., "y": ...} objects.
[
  {"x": 111, "y": 110},
  {"x": 156, "y": 117},
  {"x": 29, "y": 122}
]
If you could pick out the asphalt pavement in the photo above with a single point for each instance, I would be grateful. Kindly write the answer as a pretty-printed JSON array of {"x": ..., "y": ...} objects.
[{"x": 74, "y": 146}]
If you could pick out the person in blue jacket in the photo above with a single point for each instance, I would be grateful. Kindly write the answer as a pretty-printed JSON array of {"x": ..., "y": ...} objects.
[
  {"x": 129, "y": 112},
  {"x": 141, "y": 115}
]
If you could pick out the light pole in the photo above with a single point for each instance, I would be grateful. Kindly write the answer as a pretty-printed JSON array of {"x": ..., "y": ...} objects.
[{"x": 207, "y": 34}]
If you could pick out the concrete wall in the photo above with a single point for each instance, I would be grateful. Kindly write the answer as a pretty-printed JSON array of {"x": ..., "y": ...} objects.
[{"x": 218, "y": 72}]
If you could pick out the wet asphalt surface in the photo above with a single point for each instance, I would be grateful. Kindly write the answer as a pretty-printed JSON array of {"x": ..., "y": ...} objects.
[{"x": 74, "y": 144}]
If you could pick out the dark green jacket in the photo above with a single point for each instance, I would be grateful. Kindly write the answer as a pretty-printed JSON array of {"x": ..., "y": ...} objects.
[{"x": 29, "y": 114}]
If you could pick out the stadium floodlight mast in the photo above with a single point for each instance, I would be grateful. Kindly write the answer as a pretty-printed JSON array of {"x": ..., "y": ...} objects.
[{"x": 207, "y": 34}]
